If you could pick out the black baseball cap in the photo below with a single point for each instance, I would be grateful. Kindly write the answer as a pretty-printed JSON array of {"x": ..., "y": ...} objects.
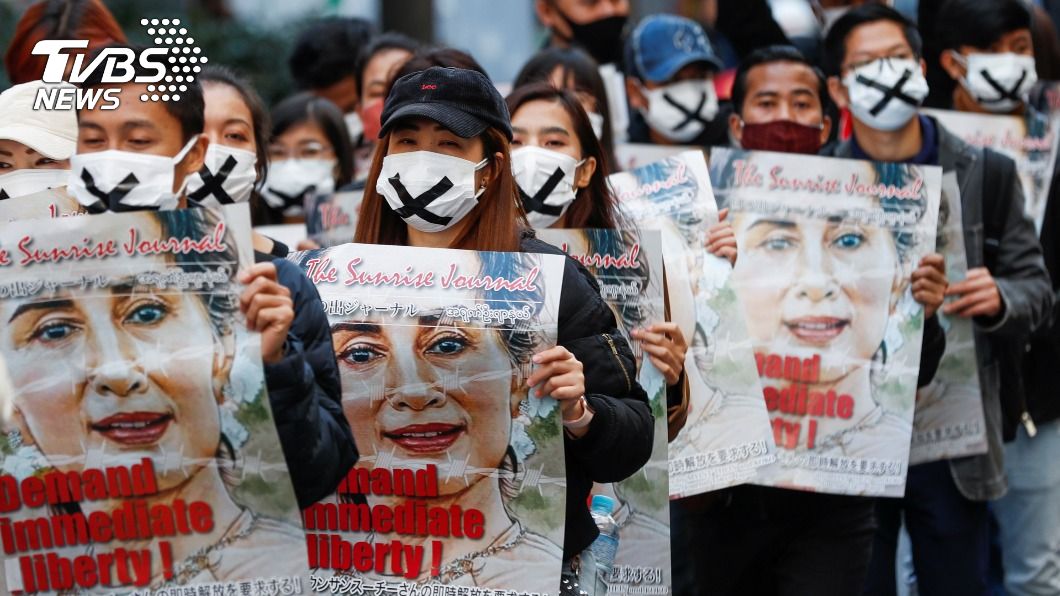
[{"x": 464, "y": 101}]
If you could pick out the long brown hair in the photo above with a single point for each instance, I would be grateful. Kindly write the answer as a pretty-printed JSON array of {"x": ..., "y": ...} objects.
[
  {"x": 594, "y": 206},
  {"x": 497, "y": 221}
]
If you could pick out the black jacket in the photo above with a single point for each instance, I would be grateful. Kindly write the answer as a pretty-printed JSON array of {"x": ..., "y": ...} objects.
[
  {"x": 1043, "y": 350},
  {"x": 306, "y": 395},
  {"x": 620, "y": 436}
]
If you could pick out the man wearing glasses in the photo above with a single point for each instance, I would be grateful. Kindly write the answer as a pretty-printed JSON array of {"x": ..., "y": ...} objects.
[{"x": 873, "y": 57}]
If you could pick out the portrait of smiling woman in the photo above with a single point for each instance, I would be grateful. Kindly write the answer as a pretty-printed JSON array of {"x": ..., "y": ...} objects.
[
  {"x": 106, "y": 375},
  {"x": 836, "y": 288},
  {"x": 424, "y": 386}
]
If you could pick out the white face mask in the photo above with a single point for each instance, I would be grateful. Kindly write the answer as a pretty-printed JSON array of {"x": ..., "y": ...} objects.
[
  {"x": 227, "y": 176},
  {"x": 30, "y": 181},
  {"x": 682, "y": 110},
  {"x": 290, "y": 180},
  {"x": 126, "y": 181},
  {"x": 597, "y": 122},
  {"x": 546, "y": 183},
  {"x": 885, "y": 93},
  {"x": 998, "y": 82},
  {"x": 355, "y": 126},
  {"x": 430, "y": 191}
]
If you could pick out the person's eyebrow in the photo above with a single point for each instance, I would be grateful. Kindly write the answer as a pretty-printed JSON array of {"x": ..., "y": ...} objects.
[
  {"x": 46, "y": 305},
  {"x": 555, "y": 130},
  {"x": 138, "y": 123},
  {"x": 6, "y": 152},
  {"x": 236, "y": 121},
  {"x": 305, "y": 142},
  {"x": 777, "y": 223},
  {"x": 357, "y": 327},
  {"x": 406, "y": 126},
  {"x": 765, "y": 93}
]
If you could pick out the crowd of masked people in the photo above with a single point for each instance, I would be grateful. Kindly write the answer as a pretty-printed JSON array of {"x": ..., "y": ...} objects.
[{"x": 373, "y": 108}]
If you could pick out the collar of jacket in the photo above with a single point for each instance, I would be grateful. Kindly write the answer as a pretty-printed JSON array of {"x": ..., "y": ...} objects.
[{"x": 954, "y": 153}]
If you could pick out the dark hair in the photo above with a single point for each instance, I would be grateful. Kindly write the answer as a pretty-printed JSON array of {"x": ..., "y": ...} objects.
[
  {"x": 306, "y": 107},
  {"x": 595, "y": 205},
  {"x": 836, "y": 39},
  {"x": 223, "y": 75},
  {"x": 425, "y": 58},
  {"x": 579, "y": 72},
  {"x": 189, "y": 110},
  {"x": 978, "y": 23},
  {"x": 771, "y": 55},
  {"x": 327, "y": 50},
  {"x": 387, "y": 41}
]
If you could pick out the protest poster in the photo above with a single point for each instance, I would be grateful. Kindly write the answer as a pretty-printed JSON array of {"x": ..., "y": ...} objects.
[
  {"x": 948, "y": 419},
  {"x": 827, "y": 247},
  {"x": 726, "y": 435},
  {"x": 53, "y": 202},
  {"x": 144, "y": 457},
  {"x": 629, "y": 266},
  {"x": 1030, "y": 140},
  {"x": 332, "y": 219},
  {"x": 461, "y": 476},
  {"x": 631, "y": 156}
]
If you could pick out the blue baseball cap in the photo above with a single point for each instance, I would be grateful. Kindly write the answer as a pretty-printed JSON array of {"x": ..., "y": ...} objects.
[{"x": 663, "y": 44}]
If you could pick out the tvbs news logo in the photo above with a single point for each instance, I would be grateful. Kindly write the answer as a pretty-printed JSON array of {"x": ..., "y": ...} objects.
[{"x": 173, "y": 62}]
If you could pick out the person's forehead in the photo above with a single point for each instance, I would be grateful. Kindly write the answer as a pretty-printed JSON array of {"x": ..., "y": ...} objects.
[
  {"x": 132, "y": 109},
  {"x": 781, "y": 77},
  {"x": 223, "y": 100},
  {"x": 875, "y": 38}
]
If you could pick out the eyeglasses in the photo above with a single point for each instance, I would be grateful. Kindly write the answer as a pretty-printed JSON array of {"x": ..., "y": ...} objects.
[{"x": 881, "y": 60}]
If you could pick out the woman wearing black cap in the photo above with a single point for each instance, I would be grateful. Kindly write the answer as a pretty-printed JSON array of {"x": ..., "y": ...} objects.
[{"x": 442, "y": 178}]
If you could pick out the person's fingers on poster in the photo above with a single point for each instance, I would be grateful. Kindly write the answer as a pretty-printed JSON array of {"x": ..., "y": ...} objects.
[
  {"x": 666, "y": 347},
  {"x": 307, "y": 244},
  {"x": 558, "y": 374},
  {"x": 268, "y": 308},
  {"x": 721, "y": 240},
  {"x": 978, "y": 293},
  {"x": 930, "y": 283}
]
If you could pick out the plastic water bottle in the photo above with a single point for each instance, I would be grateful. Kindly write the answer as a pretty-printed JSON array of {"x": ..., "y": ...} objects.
[{"x": 606, "y": 544}]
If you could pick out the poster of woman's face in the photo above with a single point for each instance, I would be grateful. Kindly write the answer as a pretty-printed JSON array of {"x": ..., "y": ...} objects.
[
  {"x": 826, "y": 251},
  {"x": 125, "y": 345},
  {"x": 434, "y": 348}
]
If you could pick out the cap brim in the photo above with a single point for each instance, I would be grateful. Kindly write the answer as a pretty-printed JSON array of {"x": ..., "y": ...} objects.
[
  {"x": 44, "y": 142},
  {"x": 461, "y": 123},
  {"x": 668, "y": 69}
]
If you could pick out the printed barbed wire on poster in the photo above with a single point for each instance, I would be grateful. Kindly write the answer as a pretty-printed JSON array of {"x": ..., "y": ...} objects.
[
  {"x": 726, "y": 412},
  {"x": 948, "y": 421},
  {"x": 826, "y": 251},
  {"x": 331, "y": 219},
  {"x": 141, "y": 406},
  {"x": 1031, "y": 140},
  {"x": 461, "y": 477},
  {"x": 628, "y": 264}
]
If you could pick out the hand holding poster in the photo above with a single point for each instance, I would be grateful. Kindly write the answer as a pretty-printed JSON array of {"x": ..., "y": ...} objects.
[
  {"x": 1030, "y": 140},
  {"x": 948, "y": 421},
  {"x": 827, "y": 248},
  {"x": 726, "y": 436},
  {"x": 461, "y": 472},
  {"x": 629, "y": 266},
  {"x": 145, "y": 454}
]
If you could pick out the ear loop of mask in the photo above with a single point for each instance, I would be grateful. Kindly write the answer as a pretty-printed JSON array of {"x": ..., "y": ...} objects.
[
  {"x": 479, "y": 166},
  {"x": 179, "y": 157}
]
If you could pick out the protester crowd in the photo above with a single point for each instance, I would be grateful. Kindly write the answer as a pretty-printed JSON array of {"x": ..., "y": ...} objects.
[{"x": 385, "y": 114}]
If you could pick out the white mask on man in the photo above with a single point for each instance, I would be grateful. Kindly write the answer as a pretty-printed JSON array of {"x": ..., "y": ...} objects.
[
  {"x": 681, "y": 111},
  {"x": 116, "y": 180},
  {"x": 886, "y": 93},
  {"x": 998, "y": 82}
]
